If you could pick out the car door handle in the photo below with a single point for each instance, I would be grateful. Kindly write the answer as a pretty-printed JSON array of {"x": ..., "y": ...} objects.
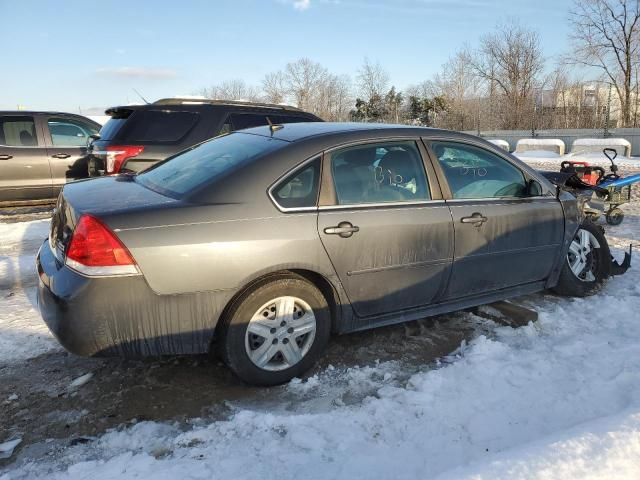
[
  {"x": 61, "y": 155},
  {"x": 475, "y": 219},
  {"x": 6, "y": 157},
  {"x": 343, "y": 229}
]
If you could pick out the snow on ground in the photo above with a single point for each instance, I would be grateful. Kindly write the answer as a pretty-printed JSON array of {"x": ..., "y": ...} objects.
[
  {"x": 22, "y": 332},
  {"x": 556, "y": 399}
]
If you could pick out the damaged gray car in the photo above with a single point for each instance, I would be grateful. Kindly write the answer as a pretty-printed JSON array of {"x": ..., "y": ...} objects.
[{"x": 258, "y": 245}]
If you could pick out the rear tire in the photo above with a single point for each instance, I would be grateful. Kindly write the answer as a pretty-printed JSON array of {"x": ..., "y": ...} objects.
[
  {"x": 276, "y": 331},
  {"x": 587, "y": 264}
]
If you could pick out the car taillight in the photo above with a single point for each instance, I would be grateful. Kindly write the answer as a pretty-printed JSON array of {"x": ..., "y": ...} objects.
[
  {"x": 118, "y": 154},
  {"x": 95, "y": 250}
]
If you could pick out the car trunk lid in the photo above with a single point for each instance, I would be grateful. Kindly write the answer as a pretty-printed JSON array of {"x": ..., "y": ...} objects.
[{"x": 105, "y": 198}]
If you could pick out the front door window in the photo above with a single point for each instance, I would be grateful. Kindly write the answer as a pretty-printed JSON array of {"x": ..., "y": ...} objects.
[{"x": 473, "y": 172}]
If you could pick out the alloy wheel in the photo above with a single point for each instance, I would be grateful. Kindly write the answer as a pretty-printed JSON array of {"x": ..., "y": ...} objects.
[{"x": 582, "y": 256}]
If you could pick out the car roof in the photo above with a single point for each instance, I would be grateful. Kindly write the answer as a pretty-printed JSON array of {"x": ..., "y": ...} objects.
[
  {"x": 198, "y": 104},
  {"x": 39, "y": 112},
  {"x": 294, "y": 132}
]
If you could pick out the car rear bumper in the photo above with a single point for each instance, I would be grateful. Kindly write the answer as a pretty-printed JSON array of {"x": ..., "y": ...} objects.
[{"x": 122, "y": 315}]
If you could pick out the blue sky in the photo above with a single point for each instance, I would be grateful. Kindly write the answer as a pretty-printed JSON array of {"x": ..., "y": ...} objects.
[{"x": 79, "y": 54}]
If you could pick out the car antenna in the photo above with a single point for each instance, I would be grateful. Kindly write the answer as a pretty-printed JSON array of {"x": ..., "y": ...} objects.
[
  {"x": 274, "y": 127},
  {"x": 140, "y": 95}
]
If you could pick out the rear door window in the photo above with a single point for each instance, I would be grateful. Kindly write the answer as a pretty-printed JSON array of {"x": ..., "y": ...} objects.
[
  {"x": 289, "y": 119},
  {"x": 69, "y": 133},
  {"x": 160, "y": 126},
  {"x": 18, "y": 131},
  {"x": 240, "y": 121},
  {"x": 381, "y": 172}
]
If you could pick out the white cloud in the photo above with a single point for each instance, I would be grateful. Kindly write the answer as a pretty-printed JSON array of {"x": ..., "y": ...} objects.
[
  {"x": 301, "y": 4},
  {"x": 145, "y": 73}
]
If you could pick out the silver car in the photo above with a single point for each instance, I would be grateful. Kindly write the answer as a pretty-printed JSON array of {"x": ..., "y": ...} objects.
[{"x": 260, "y": 244}]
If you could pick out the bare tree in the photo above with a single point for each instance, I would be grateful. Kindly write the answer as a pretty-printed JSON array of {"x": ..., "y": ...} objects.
[
  {"x": 303, "y": 77},
  {"x": 233, "y": 90},
  {"x": 310, "y": 86},
  {"x": 606, "y": 35},
  {"x": 460, "y": 86},
  {"x": 373, "y": 80},
  {"x": 510, "y": 60},
  {"x": 274, "y": 86},
  {"x": 334, "y": 100},
  {"x": 426, "y": 89}
]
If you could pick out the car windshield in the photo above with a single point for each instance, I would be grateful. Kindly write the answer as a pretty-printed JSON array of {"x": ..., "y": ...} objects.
[{"x": 206, "y": 163}]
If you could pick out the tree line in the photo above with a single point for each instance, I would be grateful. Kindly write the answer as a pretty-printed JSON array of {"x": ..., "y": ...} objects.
[{"x": 503, "y": 82}]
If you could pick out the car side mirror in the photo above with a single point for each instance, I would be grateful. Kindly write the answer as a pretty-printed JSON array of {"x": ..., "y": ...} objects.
[
  {"x": 92, "y": 138},
  {"x": 534, "y": 189}
]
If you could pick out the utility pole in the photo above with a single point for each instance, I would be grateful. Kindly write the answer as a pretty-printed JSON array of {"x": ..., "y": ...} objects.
[
  {"x": 533, "y": 116},
  {"x": 607, "y": 115},
  {"x": 478, "y": 117}
]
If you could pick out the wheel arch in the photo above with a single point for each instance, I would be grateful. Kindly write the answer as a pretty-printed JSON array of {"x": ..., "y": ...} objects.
[{"x": 339, "y": 309}]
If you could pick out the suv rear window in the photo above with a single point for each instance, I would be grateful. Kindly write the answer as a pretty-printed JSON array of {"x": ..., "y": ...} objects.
[
  {"x": 160, "y": 125},
  {"x": 111, "y": 128},
  {"x": 206, "y": 163}
]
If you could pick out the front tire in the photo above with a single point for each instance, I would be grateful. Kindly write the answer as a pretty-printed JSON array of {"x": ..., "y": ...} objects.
[
  {"x": 276, "y": 331},
  {"x": 615, "y": 216},
  {"x": 587, "y": 264}
]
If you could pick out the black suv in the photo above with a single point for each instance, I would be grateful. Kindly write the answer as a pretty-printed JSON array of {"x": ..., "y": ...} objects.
[
  {"x": 137, "y": 136},
  {"x": 39, "y": 152}
]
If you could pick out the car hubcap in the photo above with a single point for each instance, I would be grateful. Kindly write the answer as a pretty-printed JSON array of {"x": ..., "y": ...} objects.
[
  {"x": 582, "y": 256},
  {"x": 280, "y": 333}
]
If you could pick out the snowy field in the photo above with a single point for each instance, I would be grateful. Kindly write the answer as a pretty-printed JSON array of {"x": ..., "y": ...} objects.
[
  {"x": 552, "y": 160},
  {"x": 559, "y": 398}
]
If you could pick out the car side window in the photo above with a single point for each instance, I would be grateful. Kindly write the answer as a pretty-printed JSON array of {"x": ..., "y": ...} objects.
[
  {"x": 18, "y": 131},
  {"x": 300, "y": 189},
  {"x": 473, "y": 172},
  {"x": 241, "y": 121},
  {"x": 379, "y": 173},
  {"x": 69, "y": 133}
]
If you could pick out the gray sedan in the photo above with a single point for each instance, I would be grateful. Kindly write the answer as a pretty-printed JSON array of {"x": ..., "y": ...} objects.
[{"x": 260, "y": 244}]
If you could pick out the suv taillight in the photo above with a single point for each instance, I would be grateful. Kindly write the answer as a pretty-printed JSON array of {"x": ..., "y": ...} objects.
[
  {"x": 95, "y": 250},
  {"x": 118, "y": 154}
]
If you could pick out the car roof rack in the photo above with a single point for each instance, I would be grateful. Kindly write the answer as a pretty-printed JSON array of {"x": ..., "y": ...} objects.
[{"x": 238, "y": 103}]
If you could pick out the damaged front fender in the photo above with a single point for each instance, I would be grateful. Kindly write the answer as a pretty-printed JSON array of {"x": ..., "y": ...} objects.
[{"x": 621, "y": 268}]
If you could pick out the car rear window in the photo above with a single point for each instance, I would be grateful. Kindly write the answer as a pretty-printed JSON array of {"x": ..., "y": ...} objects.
[
  {"x": 110, "y": 129},
  {"x": 206, "y": 163},
  {"x": 160, "y": 125}
]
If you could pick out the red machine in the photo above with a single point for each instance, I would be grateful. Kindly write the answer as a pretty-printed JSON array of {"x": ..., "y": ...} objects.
[{"x": 591, "y": 174}]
